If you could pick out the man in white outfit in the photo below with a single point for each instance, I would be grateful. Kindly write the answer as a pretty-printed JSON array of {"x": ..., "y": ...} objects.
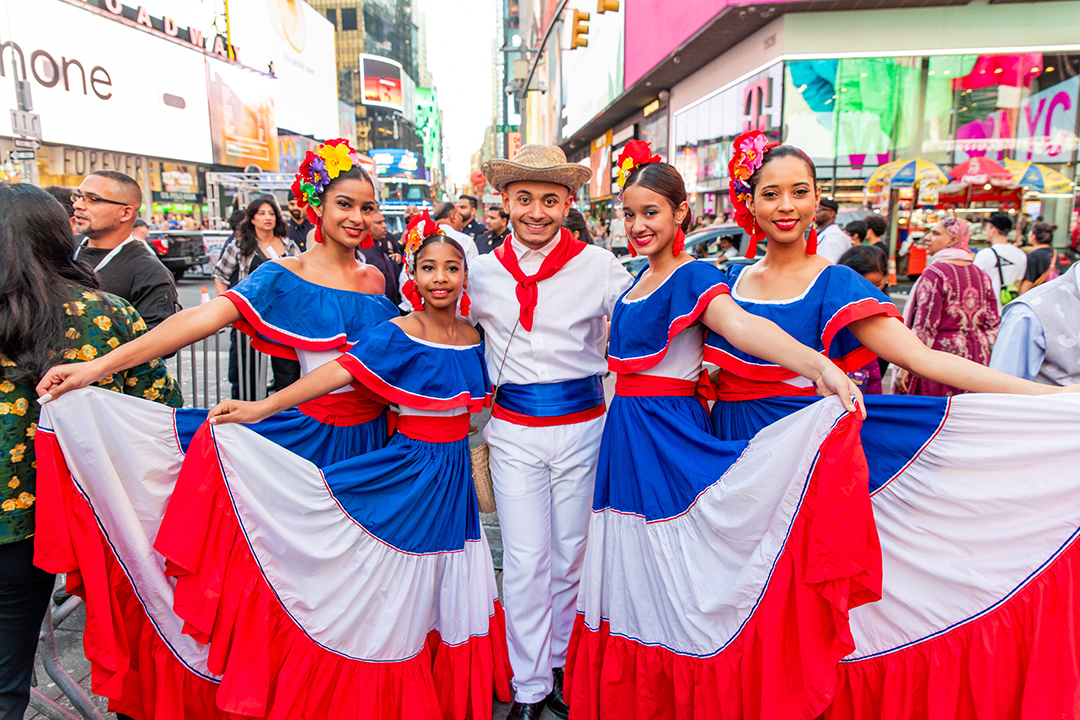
[
  {"x": 831, "y": 240},
  {"x": 543, "y": 299}
]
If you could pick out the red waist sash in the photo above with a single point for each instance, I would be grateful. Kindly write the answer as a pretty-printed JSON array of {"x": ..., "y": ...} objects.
[
  {"x": 342, "y": 409},
  {"x": 731, "y": 387},
  {"x": 428, "y": 428},
  {"x": 640, "y": 385}
]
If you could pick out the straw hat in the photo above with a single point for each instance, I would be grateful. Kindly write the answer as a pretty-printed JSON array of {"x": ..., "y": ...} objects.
[{"x": 539, "y": 163}]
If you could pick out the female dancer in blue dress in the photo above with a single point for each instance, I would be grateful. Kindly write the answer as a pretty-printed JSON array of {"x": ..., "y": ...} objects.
[
  {"x": 699, "y": 597},
  {"x": 827, "y": 307},
  {"x": 311, "y": 307},
  {"x": 973, "y": 497},
  {"x": 377, "y": 572}
]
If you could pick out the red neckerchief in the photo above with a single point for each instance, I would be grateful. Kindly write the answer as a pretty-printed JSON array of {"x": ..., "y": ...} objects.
[{"x": 565, "y": 250}]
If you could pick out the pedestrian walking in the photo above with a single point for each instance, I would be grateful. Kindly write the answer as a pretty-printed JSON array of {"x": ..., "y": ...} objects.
[
  {"x": 51, "y": 311},
  {"x": 831, "y": 240},
  {"x": 1004, "y": 263},
  {"x": 1043, "y": 262},
  {"x": 575, "y": 223},
  {"x": 542, "y": 299},
  {"x": 952, "y": 307},
  {"x": 106, "y": 205}
]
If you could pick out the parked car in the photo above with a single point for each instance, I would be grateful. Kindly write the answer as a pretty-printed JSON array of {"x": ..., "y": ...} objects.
[{"x": 178, "y": 250}]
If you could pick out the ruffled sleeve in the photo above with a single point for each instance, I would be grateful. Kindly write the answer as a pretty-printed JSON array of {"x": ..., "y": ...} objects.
[
  {"x": 403, "y": 370},
  {"x": 819, "y": 318},
  {"x": 643, "y": 329},
  {"x": 282, "y": 313}
]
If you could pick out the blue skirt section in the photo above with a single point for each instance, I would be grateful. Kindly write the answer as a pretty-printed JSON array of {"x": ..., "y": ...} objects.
[
  {"x": 895, "y": 429},
  {"x": 414, "y": 495},
  {"x": 301, "y": 434},
  {"x": 657, "y": 455}
]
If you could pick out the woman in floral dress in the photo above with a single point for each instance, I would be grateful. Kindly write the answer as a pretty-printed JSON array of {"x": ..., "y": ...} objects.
[{"x": 49, "y": 307}]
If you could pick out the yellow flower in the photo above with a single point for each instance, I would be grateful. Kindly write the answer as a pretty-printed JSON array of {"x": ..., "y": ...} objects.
[
  {"x": 14, "y": 482},
  {"x": 8, "y": 505},
  {"x": 103, "y": 322},
  {"x": 17, "y": 452},
  {"x": 87, "y": 352},
  {"x": 151, "y": 394},
  {"x": 70, "y": 354},
  {"x": 159, "y": 383},
  {"x": 131, "y": 382},
  {"x": 6, "y": 387},
  {"x": 31, "y": 431},
  {"x": 71, "y": 333},
  {"x": 113, "y": 343},
  {"x": 4, "y": 362},
  {"x": 5, "y": 408},
  {"x": 138, "y": 325},
  {"x": 107, "y": 380},
  {"x": 19, "y": 407},
  {"x": 24, "y": 500},
  {"x": 336, "y": 157},
  {"x": 79, "y": 307},
  {"x": 89, "y": 296}
]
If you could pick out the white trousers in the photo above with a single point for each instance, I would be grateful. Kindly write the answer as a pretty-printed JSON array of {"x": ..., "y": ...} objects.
[{"x": 543, "y": 479}]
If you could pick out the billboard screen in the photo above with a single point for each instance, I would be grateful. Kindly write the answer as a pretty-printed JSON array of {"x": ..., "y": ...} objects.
[
  {"x": 395, "y": 162},
  {"x": 294, "y": 42},
  {"x": 592, "y": 76},
  {"x": 242, "y": 126},
  {"x": 81, "y": 67},
  {"x": 380, "y": 79}
]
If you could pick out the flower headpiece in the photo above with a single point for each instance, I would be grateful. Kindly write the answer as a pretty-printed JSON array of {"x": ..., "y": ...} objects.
[
  {"x": 318, "y": 170},
  {"x": 748, "y": 155},
  {"x": 635, "y": 154},
  {"x": 420, "y": 228}
]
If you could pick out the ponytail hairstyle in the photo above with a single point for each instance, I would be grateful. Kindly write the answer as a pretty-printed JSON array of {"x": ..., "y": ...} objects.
[
  {"x": 1043, "y": 232},
  {"x": 750, "y": 153},
  {"x": 637, "y": 166}
]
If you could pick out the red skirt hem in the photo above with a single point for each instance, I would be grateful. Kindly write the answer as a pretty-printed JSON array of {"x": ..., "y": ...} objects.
[
  {"x": 782, "y": 664},
  {"x": 269, "y": 666}
]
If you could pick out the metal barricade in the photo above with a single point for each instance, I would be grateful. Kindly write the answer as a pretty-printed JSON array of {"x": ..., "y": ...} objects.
[
  {"x": 50, "y": 660},
  {"x": 201, "y": 370}
]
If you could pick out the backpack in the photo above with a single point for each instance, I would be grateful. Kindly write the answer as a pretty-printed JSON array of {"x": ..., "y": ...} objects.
[{"x": 1008, "y": 293}]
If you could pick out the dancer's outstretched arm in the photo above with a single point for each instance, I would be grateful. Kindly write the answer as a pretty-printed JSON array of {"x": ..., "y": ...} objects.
[
  {"x": 316, "y": 383},
  {"x": 764, "y": 339}
]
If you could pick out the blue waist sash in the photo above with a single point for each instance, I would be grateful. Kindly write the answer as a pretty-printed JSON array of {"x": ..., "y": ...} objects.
[{"x": 552, "y": 399}]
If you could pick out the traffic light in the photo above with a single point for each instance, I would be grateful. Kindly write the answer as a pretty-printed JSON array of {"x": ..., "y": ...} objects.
[
  {"x": 602, "y": 6},
  {"x": 579, "y": 30}
]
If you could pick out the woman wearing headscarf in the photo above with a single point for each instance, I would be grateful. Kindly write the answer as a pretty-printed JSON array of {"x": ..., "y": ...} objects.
[{"x": 952, "y": 307}]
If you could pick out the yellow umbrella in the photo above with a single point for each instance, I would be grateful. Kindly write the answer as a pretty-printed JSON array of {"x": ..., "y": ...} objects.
[
  {"x": 1038, "y": 177},
  {"x": 905, "y": 173}
]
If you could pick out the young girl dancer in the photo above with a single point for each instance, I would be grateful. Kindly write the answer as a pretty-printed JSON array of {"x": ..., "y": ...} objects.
[
  {"x": 373, "y": 574},
  {"x": 700, "y": 596}
]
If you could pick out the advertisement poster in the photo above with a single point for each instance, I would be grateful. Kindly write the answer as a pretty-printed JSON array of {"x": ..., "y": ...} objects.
[
  {"x": 292, "y": 149},
  {"x": 1046, "y": 129},
  {"x": 171, "y": 182},
  {"x": 592, "y": 77},
  {"x": 600, "y": 164},
  {"x": 242, "y": 126},
  {"x": 380, "y": 79},
  {"x": 294, "y": 43},
  {"x": 86, "y": 66},
  {"x": 347, "y": 122}
]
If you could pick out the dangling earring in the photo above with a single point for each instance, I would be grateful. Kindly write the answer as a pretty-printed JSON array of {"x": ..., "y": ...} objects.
[
  {"x": 811, "y": 242},
  {"x": 679, "y": 243},
  {"x": 630, "y": 244},
  {"x": 751, "y": 251},
  {"x": 466, "y": 304},
  {"x": 318, "y": 230}
]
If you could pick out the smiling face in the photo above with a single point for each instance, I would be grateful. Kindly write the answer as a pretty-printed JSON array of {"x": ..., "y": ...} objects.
[
  {"x": 650, "y": 222},
  {"x": 785, "y": 199},
  {"x": 536, "y": 210},
  {"x": 347, "y": 211},
  {"x": 440, "y": 274}
]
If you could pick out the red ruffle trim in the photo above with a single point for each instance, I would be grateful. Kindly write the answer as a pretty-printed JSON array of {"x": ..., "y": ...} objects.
[
  {"x": 1018, "y": 661},
  {"x": 782, "y": 664},
  {"x": 269, "y": 666},
  {"x": 371, "y": 384},
  {"x": 129, "y": 662},
  {"x": 272, "y": 340}
]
